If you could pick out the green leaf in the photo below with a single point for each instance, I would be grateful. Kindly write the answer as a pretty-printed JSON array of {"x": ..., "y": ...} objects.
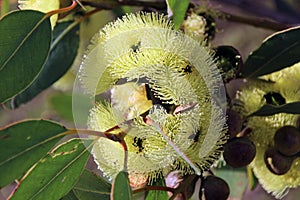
[
  {"x": 178, "y": 9},
  {"x": 90, "y": 186},
  {"x": 276, "y": 52},
  {"x": 236, "y": 179},
  {"x": 121, "y": 189},
  {"x": 24, "y": 46},
  {"x": 62, "y": 54},
  {"x": 55, "y": 175},
  {"x": 268, "y": 109},
  {"x": 23, "y": 144},
  {"x": 157, "y": 194}
]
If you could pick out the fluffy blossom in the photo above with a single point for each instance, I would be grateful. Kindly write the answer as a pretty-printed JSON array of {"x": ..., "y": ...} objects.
[{"x": 140, "y": 55}]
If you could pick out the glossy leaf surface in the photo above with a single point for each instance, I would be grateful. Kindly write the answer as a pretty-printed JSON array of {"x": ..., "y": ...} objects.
[
  {"x": 90, "y": 186},
  {"x": 276, "y": 52},
  {"x": 56, "y": 173},
  {"x": 121, "y": 189},
  {"x": 63, "y": 52},
  {"x": 24, "y": 46},
  {"x": 178, "y": 9},
  {"x": 23, "y": 144}
]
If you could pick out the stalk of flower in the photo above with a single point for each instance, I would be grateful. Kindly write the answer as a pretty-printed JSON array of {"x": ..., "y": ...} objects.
[
  {"x": 142, "y": 51},
  {"x": 284, "y": 84}
]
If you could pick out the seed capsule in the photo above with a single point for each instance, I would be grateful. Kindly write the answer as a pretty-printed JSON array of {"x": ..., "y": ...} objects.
[
  {"x": 234, "y": 122},
  {"x": 214, "y": 188},
  {"x": 230, "y": 61},
  {"x": 239, "y": 152},
  {"x": 287, "y": 140},
  {"x": 276, "y": 162}
]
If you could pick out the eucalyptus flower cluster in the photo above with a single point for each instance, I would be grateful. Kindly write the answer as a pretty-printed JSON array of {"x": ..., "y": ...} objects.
[{"x": 161, "y": 90}]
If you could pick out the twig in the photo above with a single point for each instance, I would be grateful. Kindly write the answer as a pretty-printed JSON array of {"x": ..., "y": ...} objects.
[
  {"x": 80, "y": 4},
  {"x": 114, "y": 137},
  {"x": 123, "y": 143},
  {"x": 154, "y": 187},
  {"x": 158, "y": 4},
  {"x": 258, "y": 9},
  {"x": 62, "y": 10},
  {"x": 257, "y": 22}
]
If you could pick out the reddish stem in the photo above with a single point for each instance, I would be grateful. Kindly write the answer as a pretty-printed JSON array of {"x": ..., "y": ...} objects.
[
  {"x": 154, "y": 187},
  {"x": 62, "y": 10}
]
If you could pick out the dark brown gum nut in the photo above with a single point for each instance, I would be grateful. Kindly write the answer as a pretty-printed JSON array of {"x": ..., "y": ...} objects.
[
  {"x": 276, "y": 162},
  {"x": 287, "y": 140},
  {"x": 234, "y": 122},
  {"x": 239, "y": 152},
  {"x": 214, "y": 188},
  {"x": 191, "y": 187}
]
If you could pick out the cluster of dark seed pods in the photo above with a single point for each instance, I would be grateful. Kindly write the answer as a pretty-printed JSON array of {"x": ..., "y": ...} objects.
[
  {"x": 279, "y": 158},
  {"x": 239, "y": 151},
  {"x": 211, "y": 186}
]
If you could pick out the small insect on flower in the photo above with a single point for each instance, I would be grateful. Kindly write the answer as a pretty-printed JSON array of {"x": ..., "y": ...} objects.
[{"x": 162, "y": 93}]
